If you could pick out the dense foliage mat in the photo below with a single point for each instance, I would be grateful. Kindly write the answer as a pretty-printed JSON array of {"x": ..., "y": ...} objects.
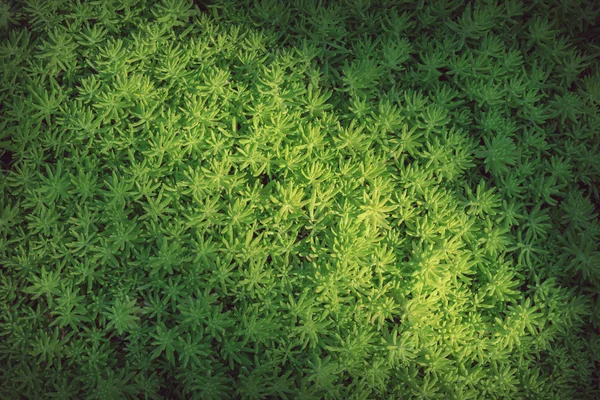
[{"x": 347, "y": 200}]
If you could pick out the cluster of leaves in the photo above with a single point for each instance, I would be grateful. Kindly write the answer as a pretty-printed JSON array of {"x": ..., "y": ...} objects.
[{"x": 299, "y": 199}]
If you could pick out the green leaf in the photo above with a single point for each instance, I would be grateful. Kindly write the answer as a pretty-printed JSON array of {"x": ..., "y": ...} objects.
[
  {"x": 47, "y": 283},
  {"x": 122, "y": 315}
]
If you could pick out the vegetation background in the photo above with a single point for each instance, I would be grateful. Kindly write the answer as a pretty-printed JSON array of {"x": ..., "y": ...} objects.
[{"x": 307, "y": 199}]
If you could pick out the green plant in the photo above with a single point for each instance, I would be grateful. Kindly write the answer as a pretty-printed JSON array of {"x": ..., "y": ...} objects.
[{"x": 298, "y": 200}]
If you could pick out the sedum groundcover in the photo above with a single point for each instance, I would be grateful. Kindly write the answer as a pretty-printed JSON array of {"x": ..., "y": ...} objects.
[{"x": 314, "y": 200}]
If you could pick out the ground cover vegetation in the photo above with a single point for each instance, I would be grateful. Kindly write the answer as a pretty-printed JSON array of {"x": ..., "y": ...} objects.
[{"x": 266, "y": 199}]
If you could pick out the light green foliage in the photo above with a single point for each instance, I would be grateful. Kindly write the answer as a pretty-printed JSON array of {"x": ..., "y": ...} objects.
[{"x": 299, "y": 199}]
